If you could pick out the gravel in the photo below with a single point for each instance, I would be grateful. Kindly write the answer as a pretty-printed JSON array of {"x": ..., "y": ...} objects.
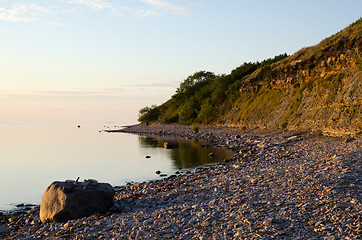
[{"x": 277, "y": 186}]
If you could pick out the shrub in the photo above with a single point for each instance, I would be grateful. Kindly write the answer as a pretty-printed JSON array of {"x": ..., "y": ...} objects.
[
  {"x": 206, "y": 112},
  {"x": 149, "y": 114},
  {"x": 195, "y": 128}
]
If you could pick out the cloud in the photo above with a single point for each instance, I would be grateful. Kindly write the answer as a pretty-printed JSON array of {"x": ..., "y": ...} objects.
[
  {"x": 22, "y": 12},
  {"x": 95, "y": 4},
  {"x": 114, "y": 91},
  {"x": 165, "y": 6}
]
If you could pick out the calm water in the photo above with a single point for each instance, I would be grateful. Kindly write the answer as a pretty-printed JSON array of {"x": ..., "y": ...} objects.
[{"x": 33, "y": 156}]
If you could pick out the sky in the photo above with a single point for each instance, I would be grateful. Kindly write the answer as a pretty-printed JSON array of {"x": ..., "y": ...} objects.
[{"x": 96, "y": 61}]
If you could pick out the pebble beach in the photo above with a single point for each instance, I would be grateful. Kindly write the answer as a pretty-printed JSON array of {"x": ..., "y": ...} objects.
[{"x": 278, "y": 185}]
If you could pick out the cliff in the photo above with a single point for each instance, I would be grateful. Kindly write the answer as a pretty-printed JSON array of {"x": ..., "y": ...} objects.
[{"x": 316, "y": 89}]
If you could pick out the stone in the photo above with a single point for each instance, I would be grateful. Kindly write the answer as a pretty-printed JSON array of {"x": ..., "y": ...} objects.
[
  {"x": 243, "y": 151},
  {"x": 261, "y": 145},
  {"x": 3, "y": 229},
  {"x": 349, "y": 140},
  {"x": 63, "y": 201},
  {"x": 170, "y": 145},
  {"x": 148, "y": 221},
  {"x": 292, "y": 138}
]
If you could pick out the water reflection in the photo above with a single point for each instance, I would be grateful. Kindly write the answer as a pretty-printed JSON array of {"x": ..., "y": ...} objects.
[
  {"x": 186, "y": 153},
  {"x": 148, "y": 142},
  {"x": 40, "y": 154}
]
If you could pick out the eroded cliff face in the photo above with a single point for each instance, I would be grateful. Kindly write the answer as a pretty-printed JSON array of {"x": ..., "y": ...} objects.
[{"x": 318, "y": 88}]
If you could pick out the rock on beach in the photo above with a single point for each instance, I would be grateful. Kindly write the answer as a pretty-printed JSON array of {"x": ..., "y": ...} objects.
[{"x": 63, "y": 201}]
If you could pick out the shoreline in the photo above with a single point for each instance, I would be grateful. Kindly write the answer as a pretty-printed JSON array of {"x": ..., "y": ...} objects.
[{"x": 278, "y": 185}]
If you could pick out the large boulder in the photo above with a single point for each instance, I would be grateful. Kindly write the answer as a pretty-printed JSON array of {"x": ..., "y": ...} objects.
[{"x": 67, "y": 200}]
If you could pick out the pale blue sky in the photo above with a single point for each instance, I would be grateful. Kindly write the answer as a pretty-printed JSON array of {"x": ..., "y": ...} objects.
[{"x": 102, "y": 60}]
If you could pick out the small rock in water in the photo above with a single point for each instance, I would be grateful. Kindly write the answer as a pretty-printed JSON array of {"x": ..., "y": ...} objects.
[
  {"x": 163, "y": 175},
  {"x": 148, "y": 156},
  {"x": 158, "y": 172}
]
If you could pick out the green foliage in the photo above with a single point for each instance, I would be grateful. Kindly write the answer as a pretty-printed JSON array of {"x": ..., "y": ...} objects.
[
  {"x": 265, "y": 73},
  {"x": 169, "y": 113},
  {"x": 203, "y": 94},
  {"x": 187, "y": 112},
  {"x": 359, "y": 65},
  {"x": 244, "y": 70},
  {"x": 218, "y": 89},
  {"x": 265, "y": 94},
  {"x": 207, "y": 111},
  {"x": 330, "y": 82},
  {"x": 248, "y": 68},
  {"x": 238, "y": 74},
  {"x": 149, "y": 114},
  {"x": 298, "y": 115},
  {"x": 261, "y": 105},
  {"x": 270, "y": 61},
  {"x": 297, "y": 97},
  {"x": 195, "y": 128},
  {"x": 194, "y": 83},
  {"x": 233, "y": 91}
]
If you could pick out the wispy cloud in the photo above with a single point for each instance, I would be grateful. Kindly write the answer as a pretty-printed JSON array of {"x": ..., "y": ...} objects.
[
  {"x": 23, "y": 12},
  {"x": 114, "y": 91},
  {"x": 164, "y": 6},
  {"x": 95, "y": 4}
]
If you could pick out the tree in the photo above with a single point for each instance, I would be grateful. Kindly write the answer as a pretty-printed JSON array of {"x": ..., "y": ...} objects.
[
  {"x": 194, "y": 82},
  {"x": 207, "y": 111},
  {"x": 188, "y": 111},
  {"x": 149, "y": 114}
]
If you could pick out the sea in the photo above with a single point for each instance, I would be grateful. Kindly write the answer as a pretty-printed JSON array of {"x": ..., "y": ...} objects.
[{"x": 32, "y": 156}]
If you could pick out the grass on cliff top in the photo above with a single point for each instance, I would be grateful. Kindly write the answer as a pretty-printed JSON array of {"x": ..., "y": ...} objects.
[{"x": 332, "y": 44}]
